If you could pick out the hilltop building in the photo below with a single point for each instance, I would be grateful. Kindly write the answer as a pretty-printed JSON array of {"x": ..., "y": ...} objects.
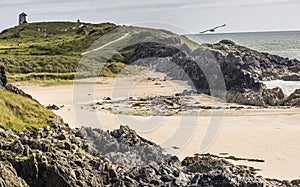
[{"x": 22, "y": 18}]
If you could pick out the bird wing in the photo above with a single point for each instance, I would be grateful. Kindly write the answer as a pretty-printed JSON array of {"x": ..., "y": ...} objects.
[
  {"x": 219, "y": 26},
  {"x": 212, "y": 29},
  {"x": 205, "y": 31}
]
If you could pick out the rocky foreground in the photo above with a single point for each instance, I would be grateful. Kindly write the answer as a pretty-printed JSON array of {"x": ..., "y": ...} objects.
[{"x": 62, "y": 156}]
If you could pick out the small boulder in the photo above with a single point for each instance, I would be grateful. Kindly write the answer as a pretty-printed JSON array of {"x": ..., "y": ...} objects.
[
  {"x": 52, "y": 107},
  {"x": 293, "y": 99},
  {"x": 227, "y": 42}
]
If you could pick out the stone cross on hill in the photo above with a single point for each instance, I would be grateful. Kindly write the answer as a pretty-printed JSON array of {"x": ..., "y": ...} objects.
[{"x": 22, "y": 18}]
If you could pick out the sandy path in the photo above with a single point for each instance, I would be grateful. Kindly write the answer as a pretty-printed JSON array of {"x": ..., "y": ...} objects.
[{"x": 268, "y": 134}]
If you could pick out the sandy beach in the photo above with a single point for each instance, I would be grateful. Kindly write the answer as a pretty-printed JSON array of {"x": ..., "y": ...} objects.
[{"x": 270, "y": 134}]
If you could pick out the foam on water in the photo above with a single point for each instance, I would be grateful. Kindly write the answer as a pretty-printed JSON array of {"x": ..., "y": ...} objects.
[{"x": 288, "y": 87}]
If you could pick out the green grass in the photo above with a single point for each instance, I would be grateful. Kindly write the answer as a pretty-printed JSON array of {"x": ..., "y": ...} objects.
[
  {"x": 22, "y": 114},
  {"x": 40, "y": 77},
  {"x": 49, "y": 50},
  {"x": 109, "y": 69},
  {"x": 191, "y": 44},
  {"x": 53, "y": 50},
  {"x": 51, "y": 38},
  {"x": 23, "y": 64}
]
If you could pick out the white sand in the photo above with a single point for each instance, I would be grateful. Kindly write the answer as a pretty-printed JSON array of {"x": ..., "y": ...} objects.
[{"x": 268, "y": 134}]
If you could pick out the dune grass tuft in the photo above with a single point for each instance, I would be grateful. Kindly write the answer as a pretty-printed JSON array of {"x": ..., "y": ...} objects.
[{"x": 22, "y": 114}]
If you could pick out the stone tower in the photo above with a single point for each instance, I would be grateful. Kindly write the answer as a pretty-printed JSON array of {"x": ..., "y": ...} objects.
[{"x": 22, "y": 18}]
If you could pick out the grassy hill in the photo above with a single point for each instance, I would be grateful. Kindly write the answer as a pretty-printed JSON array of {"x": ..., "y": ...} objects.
[
  {"x": 53, "y": 50},
  {"x": 47, "y": 49},
  {"x": 22, "y": 114},
  {"x": 51, "y": 38}
]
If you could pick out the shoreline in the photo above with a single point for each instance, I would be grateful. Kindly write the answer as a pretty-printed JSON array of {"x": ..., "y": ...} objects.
[{"x": 268, "y": 134}]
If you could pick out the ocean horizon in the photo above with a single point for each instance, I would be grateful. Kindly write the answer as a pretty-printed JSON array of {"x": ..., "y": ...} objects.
[{"x": 283, "y": 43}]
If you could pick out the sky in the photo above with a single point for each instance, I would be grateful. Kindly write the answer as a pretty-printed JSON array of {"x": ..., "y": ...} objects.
[{"x": 180, "y": 16}]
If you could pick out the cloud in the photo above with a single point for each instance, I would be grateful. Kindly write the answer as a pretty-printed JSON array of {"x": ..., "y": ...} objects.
[
  {"x": 77, "y": 6},
  {"x": 128, "y": 11},
  {"x": 105, "y": 7},
  {"x": 64, "y": 6}
]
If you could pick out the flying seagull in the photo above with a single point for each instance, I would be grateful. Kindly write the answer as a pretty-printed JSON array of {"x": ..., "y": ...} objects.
[{"x": 213, "y": 29}]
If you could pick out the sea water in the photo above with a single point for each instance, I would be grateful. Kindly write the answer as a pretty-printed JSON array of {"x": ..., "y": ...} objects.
[
  {"x": 288, "y": 87},
  {"x": 283, "y": 43}
]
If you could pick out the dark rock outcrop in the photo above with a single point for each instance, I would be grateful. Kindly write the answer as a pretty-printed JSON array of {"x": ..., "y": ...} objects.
[
  {"x": 241, "y": 68},
  {"x": 9, "y": 177},
  {"x": 16, "y": 90},
  {"x": 213, "y": 172},
  {"x": 293, "y": 99},
  {"x": 9, "y": 87},
  {"x": 3, "y": 79},
  {"x": 52, "y": 107},
  {"x": 260, "y": 65},
  {"x": 124, "y": 146},
  {"x": 292, "y": 77},
  {"x": 260, "y": 97},
  {"x": 46, "y": 159},
  {"x": 61, "y": 156},
  {"x": 228, "y": 42}
]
